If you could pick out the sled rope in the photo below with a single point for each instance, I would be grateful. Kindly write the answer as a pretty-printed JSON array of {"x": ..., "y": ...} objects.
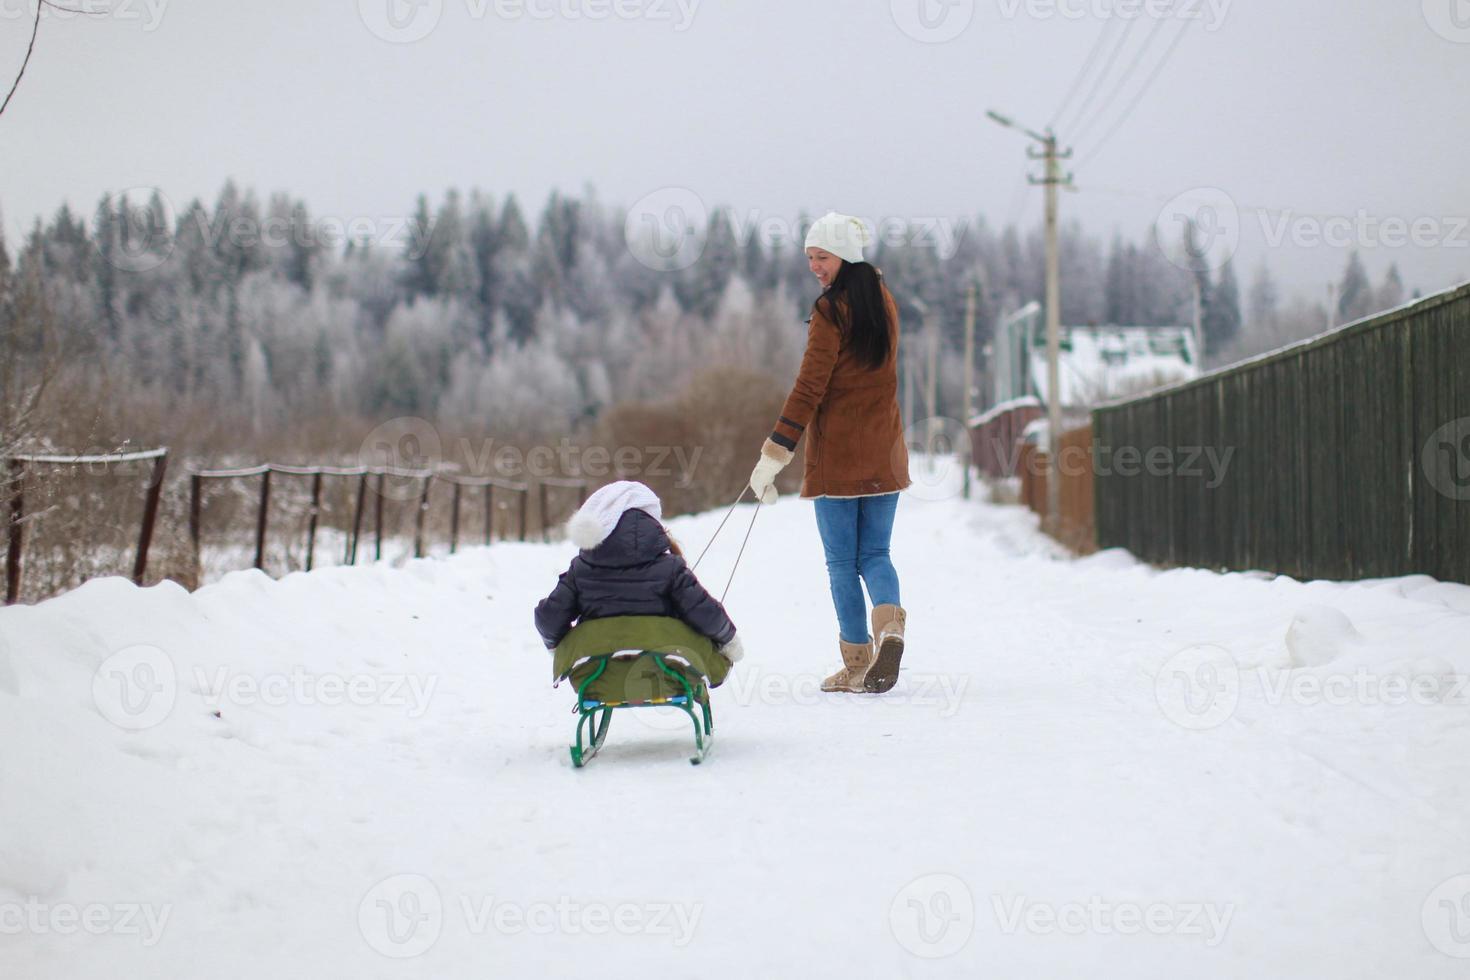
[{"x": 741, "y": 553}]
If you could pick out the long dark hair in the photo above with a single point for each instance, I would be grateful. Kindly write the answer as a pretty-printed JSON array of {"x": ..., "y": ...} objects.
[{"x": 855, "y": 303}]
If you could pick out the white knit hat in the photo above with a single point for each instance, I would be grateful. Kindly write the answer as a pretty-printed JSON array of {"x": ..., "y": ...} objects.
[
  {"x": 841, "y": 234},
  {"x": 591, "y": 524}
]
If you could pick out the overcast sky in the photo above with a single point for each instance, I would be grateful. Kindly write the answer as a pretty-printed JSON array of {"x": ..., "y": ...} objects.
[{"x": 1354, "y": 109}]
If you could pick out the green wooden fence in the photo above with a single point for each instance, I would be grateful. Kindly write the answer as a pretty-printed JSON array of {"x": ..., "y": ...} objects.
[{"x": 1344, "y": 457}]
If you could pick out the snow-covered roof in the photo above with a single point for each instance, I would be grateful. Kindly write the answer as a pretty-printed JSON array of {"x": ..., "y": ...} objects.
[
  {"x": 995, "y": 411},
  {"x": 1101, "y": 363}
]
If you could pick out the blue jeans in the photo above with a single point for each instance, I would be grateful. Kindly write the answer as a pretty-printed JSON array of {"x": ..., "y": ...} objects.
[{"x": 855, "y": 534}]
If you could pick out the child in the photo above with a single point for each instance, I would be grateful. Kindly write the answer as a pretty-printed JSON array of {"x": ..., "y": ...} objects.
[{"x": 629, "y": 567}]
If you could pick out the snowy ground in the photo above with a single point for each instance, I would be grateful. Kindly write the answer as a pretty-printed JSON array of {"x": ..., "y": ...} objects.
[{"x": 1089, "y": 768}]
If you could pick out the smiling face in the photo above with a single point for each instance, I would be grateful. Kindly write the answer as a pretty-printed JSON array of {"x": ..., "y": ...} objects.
[{"x": 824, "y": 265}]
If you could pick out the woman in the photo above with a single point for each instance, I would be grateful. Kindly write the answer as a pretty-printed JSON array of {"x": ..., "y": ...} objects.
[{"x": 846, "y": 402}]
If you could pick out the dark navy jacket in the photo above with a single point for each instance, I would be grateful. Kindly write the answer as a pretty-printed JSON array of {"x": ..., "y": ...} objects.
[{"x": 632, "y": 573}]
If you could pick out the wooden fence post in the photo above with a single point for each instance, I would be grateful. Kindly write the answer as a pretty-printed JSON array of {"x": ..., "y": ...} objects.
[
  {"x": 525, "y": 497},
  {"x": 17, "y": 515},
  {"x": 418, "y": 521},
  {"x": 378, "y": 519},
  {"x": 150, "y": 516},
  {"x": 544, "y": 537},
  {"x": 357, "y": 518},
  {"x": 454, "y": 519},
  {"x": 260, "y": 519},
  {"x": 489, "y": 511},
  {"x": 196, "y": 493},
  {"x": 316, "y": 504}
]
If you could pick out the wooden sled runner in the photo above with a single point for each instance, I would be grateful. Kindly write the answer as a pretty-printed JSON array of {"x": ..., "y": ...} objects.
[{"x": 638, "y": 662}]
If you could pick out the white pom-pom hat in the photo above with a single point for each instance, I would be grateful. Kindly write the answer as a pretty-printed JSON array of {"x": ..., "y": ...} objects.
[
  {"x": 596, "y": 518},
  {"x": 841, "y": 234}
]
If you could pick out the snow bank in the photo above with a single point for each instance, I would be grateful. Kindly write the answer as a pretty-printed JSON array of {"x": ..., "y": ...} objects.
[{"x": 363, "y": 772}]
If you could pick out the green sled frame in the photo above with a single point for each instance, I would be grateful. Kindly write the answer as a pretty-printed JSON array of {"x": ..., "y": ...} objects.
[{"x": 638, "y": 662}]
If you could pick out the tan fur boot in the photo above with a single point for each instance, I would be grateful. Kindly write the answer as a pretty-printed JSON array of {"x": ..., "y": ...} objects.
[
  {"x": 857, "y": 658},
  {"x": 888, "y": 625}
]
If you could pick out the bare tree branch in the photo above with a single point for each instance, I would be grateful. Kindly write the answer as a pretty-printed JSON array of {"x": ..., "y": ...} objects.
[{"x": 35, "y": 29}]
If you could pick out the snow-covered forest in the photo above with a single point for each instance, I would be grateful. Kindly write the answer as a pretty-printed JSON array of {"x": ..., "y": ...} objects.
[{"x": 243, "y": 318}]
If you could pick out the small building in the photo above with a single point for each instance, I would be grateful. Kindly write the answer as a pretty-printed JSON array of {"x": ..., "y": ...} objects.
[{"x": 1096, "y": 363}]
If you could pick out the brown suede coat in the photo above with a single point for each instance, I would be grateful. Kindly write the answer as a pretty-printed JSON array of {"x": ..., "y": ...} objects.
[{"x": 855, "y": 445}]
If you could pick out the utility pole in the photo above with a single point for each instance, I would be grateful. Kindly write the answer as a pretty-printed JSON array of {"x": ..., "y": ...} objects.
[
  {"x": 1199, "y": 325},
  {"x": 931, "y": 394},
  {"x": 969, "y": 399},
  {"x": 909, "y": 374},
  {"x": 1052, "y": 181}
]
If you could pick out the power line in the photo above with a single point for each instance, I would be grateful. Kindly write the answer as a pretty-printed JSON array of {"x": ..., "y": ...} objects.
[
  {"x": 1107, "y": 68},
  {"x": 1086, "y": 68},
  {"x": 1138, "y": 97},
  {"x": 1123, "y": 79}
]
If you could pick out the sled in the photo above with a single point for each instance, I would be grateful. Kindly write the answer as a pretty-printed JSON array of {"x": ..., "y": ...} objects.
[{"x": 638, "y": 662}]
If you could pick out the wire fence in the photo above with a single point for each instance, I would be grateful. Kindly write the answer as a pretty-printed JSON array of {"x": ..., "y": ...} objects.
[{"x": 74, "y": 518}]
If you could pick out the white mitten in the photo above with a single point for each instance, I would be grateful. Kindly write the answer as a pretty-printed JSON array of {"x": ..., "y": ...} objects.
[
  {"x": 763, "y": 478},
  {"x": 733, "y": 650}
]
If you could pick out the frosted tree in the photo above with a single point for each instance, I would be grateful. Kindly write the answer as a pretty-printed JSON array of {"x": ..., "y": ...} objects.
[
  {"x": 1222, "y": 314},
  {"x": 107, "y": 234},
  {"x": 700, "y": 286},
  {"x": 1391, "y": 293},
  {"x": 1264, "y": 300},
  {"x": 1121, "y": 300},
  {"x": 1355, "y": 298},
  {"x": 1084, "y": 296},
  {"x": 484, "y": 238},
  {"x": 519, "y": 296},
  {"x": 419, "y": 274},
  {"x": 456, "y": 271}
]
